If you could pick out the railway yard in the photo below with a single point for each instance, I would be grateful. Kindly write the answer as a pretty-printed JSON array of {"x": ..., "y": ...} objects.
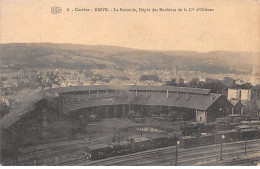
[
  {"x": 72, "y": 152},
  {"x": 206, "y": 155},
  {"x": 59, "y": 151},
  {"x": 71, "y": 155},
  {"x": 105, "y": 126}
]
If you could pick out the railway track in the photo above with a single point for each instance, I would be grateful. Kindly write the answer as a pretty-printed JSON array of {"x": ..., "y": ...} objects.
[
  {"x": 194, "y": 157},
  {"x": 244, "y": 162},
  {"x": 147, "y": 158},
  {"x": 42, "y": 153},
  {"x": 185, "y": 159}
]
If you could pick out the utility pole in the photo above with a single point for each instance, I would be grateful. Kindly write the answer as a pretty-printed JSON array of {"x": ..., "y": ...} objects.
[
  {"x": 245, "y": 147},
  {"x": 221, "y": 151},
  {"x": 176, "y": 153},
  {"x": 221, "y": 144}
]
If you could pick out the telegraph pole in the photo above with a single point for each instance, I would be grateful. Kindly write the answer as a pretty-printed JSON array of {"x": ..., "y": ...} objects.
[
  {"x": 221, "y": 144},
  {"x": 176, "y": 153},
  {"x": 245, "y": 147}
]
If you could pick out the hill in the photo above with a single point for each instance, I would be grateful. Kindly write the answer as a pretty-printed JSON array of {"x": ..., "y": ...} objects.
[{"x": 75, "y": 56}]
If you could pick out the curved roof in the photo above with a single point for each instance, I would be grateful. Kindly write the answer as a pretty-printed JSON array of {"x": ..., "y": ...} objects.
[
  {"x": 191, "y": 101},
  {"x": 196, "y": 98}
]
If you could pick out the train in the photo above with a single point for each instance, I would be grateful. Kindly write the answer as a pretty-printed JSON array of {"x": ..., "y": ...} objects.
[
  {"x": 137, "y": 144},
  {"x": 132, "y": 145},
  {"x": 243, "y": 132}
]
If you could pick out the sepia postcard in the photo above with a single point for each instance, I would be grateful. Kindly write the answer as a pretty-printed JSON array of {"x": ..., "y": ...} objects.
[{"x": 129, "y": 83}]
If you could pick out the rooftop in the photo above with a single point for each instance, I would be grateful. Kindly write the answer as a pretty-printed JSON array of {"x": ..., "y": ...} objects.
[
  {"x": 234, "y": 102},
  {"x": 183, "y": 97}
]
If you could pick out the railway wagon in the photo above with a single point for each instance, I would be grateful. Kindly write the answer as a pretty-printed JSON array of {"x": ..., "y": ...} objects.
[
  {"x": 99, "y": 151},
  {"x": 247, "y": 134},
  {"x": 188, "y": 141},
  {"x": 230, "y": 135},
  {"x": 159, "y": 141},
  {"x": 140, "y": 144},
  {"x": 206, "y": 139}
]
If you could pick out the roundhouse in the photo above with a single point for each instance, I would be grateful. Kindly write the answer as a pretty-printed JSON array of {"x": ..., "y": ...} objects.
[{"x": 80, "y": 103}]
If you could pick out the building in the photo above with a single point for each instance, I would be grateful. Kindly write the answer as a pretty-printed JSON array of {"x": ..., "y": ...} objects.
[
  {"x": 238, "y": 107},
  {"x": 78, "y": 104},
  {"x": 240, "y": 94},
  {"x": 191, "y": 104}
]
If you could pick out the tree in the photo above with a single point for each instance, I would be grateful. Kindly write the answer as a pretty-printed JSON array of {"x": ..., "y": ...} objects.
[
  {"x": 246, "y": 86},
  {"x": 194, "y": 82},
  {"x": 181, "y": 83},
  {"x": 215, "y": 86},
  {"x": 229, "y": 82},
  {"x": 149, "y": 77},
  {"x": 173, "y": 82}
]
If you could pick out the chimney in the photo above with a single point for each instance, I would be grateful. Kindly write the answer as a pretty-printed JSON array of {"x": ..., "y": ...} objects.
[
  {"x": 89, "y": 94},
  {"x": 167, "y": 96}
]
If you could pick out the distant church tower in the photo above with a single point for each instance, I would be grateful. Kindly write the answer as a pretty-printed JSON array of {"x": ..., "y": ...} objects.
[
  {"x": 175, "y": 69},
  {"x": 255, "y": 75}
]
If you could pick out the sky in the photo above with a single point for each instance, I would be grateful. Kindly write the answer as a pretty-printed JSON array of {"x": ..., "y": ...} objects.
[{"x": 233, "y": 26}]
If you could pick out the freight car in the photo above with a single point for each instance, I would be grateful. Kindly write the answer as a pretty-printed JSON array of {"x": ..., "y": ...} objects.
[
  {"x": 188, "y": 141},
  {"x": 137, "y": 144},
  {"x": 140, "y": 144},
  {"x": 230, "y": 135},
  {"x": 99, "y": 151},
  {"x": 247, "y": 134},
  {"x": 159, "y": 141},
  {"x": 206, "y": 139}
]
